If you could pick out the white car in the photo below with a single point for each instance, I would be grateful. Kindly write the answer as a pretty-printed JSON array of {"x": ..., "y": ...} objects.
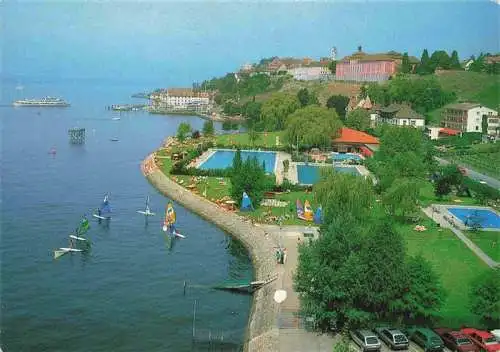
[{"x": 496, "y": 333}]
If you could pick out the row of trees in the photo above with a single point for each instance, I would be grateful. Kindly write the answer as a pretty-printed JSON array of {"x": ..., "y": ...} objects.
[
  {"x": 424, "y": 94},
  {"x": 358, "y": 272},
  {"x": 439, "y": 59}
]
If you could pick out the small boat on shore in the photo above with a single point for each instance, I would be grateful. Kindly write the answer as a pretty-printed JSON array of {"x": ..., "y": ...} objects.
[
  {"x": 116, "y": 118},
  {"x": 114, "y": 139}
]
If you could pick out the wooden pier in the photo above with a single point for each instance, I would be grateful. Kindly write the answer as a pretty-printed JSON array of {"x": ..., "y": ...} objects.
[
  {"x": 76, "y": 135},
  {"x": 244, "y": 286}
]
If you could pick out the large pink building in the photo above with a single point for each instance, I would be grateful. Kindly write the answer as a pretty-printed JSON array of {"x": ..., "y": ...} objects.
[{"x": 361, "y": 67}]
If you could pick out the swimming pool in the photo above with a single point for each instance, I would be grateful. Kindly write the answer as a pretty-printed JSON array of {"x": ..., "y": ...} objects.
[
  {"x": 485, "y": 217},
  {"x": 345, "y": 156},
  {"x": 222, "y": 159},
  {"x": 310, "y": 174}
]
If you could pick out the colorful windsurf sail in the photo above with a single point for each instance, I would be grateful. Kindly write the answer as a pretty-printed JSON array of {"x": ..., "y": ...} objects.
[
  {"x": 308, "y": 213},
  {"x": 300, "y": 209}
]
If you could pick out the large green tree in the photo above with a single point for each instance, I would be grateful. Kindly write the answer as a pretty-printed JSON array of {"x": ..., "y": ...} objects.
[
  {"x": 485, "y": 298},
  {"x": 358, "y": 119},
  {"x": 208, "y": 128},
  {"x": 276, "y": 109},
  {"x": 440, "y": 59},
  {"x": 306, "y": 97},
  {"x": 248, "y": 176},
  {"x": 455, "y": 61},
  {"x": 405, "y": 64},
  {"x": 401, "y": 197},
  {"x": 312, "y": 126},
  {"x": 425, "y": 67},
  {"x": 183, "y": 131},
  {"x": 339, "y": 103},
  {"x": 422, "y": 295}
]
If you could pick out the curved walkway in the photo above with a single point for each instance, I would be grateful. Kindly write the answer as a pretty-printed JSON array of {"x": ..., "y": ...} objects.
[{"x": 262, "y": 334}]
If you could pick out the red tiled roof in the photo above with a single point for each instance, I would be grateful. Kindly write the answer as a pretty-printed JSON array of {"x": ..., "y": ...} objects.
[
  {"x": 449, "y": 131},
  {"x": 348, "y": 135}
]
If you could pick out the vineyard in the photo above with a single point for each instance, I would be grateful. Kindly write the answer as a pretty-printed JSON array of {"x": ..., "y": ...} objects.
[{"x": 483, "y": 158}]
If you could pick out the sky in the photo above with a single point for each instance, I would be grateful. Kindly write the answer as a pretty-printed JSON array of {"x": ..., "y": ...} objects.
[{"x": 190, "y": 41}]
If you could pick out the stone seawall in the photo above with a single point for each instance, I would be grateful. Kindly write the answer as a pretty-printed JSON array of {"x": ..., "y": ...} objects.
[{"x": 262, "y": 333}]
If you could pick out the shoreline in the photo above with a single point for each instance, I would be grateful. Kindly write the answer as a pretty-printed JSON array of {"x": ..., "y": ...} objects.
[{"x": 261, "y": 333}]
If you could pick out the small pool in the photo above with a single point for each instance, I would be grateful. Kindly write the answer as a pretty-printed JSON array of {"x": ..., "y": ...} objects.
[
  {"x": 345, "y": 156},
  {"x": 486, "y": 218},
  {"x": 222, "y": 159},
  {"x": 310, "y": 174}
]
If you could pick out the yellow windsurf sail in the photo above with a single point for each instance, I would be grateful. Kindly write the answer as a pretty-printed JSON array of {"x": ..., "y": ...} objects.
[
  {"x": 308, "y": 213},
  {"x": 170, "y": 214}
]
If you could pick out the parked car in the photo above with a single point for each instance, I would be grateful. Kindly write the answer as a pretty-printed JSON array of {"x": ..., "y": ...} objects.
[
  {"x": 456, "y": 341},
  {"x": 427, "y": 339},
  {"x": 496, "y": 333},
  {"x": 483, "y": 339},
  {"x": 394, "y": 338},
  {"x": 365, "y": 339}
]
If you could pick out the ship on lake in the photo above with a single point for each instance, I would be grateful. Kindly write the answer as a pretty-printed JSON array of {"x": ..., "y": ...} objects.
[{"x": 47, "y": 101}]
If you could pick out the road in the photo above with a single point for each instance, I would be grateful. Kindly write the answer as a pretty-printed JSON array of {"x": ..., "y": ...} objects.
[{"x": 474, "y": 174}]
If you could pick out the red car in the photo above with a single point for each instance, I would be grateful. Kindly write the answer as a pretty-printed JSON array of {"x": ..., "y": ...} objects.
[
  {"x": 483, "y": 339},
  {"x": 456, "y": 341}
]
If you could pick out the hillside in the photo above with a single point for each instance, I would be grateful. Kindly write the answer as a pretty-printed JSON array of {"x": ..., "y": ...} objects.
[{"x": 477, "y": 87}]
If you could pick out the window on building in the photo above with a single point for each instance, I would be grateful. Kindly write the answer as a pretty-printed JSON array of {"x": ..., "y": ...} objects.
[
  {"x": 413, "y": 122},
  {"x": 477, "y": 128}
]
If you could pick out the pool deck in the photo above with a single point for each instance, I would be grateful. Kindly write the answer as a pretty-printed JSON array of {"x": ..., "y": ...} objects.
[{"x": 438, "y": 212}]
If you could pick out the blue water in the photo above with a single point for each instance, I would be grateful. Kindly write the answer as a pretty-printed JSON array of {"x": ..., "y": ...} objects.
[
  {"x": 310, "y": 174},
  {"x": 223, "y": 159},
  {"x": 127, "y": 293},
  {"x": 345, "y": 156},
  {"x": 485, "y": 217}
]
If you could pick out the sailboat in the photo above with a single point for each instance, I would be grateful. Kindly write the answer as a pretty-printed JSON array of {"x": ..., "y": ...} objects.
[
  {"x": 78, "y": 237},
  {"x": 147, "y": 211},
  {"x": 168, "y": 223},
  {"x": 104, "y": 211}
]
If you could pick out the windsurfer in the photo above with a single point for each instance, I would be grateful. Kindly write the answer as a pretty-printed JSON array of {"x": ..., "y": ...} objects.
[{"x": 99, "y": 211}]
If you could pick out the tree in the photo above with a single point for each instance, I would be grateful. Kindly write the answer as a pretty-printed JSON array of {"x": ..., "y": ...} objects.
[
  {"x": 339, "y": 103},
  {"x": 249, "y": 177},
  {"x": 306, "y": 98},
  {"x": 484, "y": 298},
  {"x": 183, "y": 130},
  {"x": 442, "y": 187},
  {"x": 253, "y": 136},
  {"x": 332, "y": 66},
  {"x": 405, "y": 64},
  {"x": 401, "y": 197},
  {"x": 358, "y": 119},
  {"x": 440, "y": 59},
  {"x": 484, "y": 125},
  {"x": 454, "y": 61},
  {"x": 251, "y": 110},
  {"x": 276, "y": 109},
  {"x": 425, "y": 67},
  {"x": 312, "y": 126},
  {"x": 227, "y": 125},
  {"x": 208, "y": 128},
  {"x": 196, "y": 134},
  {"x": 422, "y": 295}
]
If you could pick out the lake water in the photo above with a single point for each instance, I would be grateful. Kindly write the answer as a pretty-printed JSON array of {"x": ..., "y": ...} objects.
[{"x": 127, "y": 293}]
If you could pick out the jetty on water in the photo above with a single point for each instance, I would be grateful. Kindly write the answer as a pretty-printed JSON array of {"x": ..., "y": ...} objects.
[
  {"x": 244, "y": 286},
  {"x": 76, "y": 135}
]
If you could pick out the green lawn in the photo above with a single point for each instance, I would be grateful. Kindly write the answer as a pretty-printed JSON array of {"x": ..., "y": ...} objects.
[
  {"x": 427, "y": 197},
  {"x": 265, "y": 140},
  {"x": 453, "y": 261},
  {"x": 488, "y": 241}
]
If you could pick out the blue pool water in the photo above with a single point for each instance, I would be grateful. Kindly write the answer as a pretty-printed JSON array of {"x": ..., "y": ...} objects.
[
  {"x": 487, "y": 218},
  {"x": 310, "y": 174},
  {"x": 345, "y": 156},
  {"x": 223, "y": 159}
]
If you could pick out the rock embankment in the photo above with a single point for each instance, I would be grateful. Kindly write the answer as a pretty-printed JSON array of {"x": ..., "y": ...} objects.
[{"x": 262, "y": 333}]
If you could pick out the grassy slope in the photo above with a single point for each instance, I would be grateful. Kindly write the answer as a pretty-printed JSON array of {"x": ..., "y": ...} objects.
[
  {"x": 488, "y": 242},
  {"x": 469, "y": 86}
]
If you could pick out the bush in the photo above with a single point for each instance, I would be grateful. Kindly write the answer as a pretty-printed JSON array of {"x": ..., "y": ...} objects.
[{"x": 196, "y": 134}]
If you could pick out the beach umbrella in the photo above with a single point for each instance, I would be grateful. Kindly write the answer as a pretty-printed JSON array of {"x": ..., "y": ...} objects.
[{"x": 279, "y": 296}]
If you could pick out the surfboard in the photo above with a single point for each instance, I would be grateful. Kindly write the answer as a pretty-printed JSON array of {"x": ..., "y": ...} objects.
[
  {"x": 77, "y": 238},
  {"x": 100, "y": 217},
  {"x": 62, "y": 251},
  {"x": 71, "y": 249},
  {"x": 145, "y": 213},
  {"x": 176, "y": 234}
]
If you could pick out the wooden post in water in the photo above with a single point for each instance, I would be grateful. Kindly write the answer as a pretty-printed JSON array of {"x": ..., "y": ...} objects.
[
  {"x": 184, "y": 288},
  {"x": 194, "y": 320}
]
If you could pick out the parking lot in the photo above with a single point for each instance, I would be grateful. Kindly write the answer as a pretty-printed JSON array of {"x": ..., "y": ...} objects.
[{"x": 413, "y": 347}]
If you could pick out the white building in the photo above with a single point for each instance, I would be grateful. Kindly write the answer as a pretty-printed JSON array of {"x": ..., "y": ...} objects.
[
  {"x": 180, "y": 99},
  {"x": 468, "y": 117},
  {"x": 400, "y": 115},
  {"x": 314, "y": 71}
]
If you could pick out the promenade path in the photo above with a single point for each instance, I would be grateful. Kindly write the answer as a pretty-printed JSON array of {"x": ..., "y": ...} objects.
[{"x": 438, "y": 217}]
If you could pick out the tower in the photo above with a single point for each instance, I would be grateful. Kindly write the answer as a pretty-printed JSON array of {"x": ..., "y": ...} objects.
[{"x": 333, "y": 54}]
